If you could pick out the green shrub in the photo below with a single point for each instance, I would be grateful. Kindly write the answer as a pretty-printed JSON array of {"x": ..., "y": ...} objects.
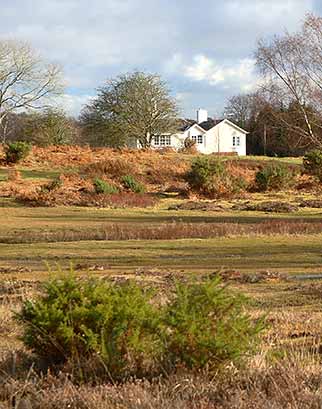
[
  {"x": 202, "y": 171},
  {"x": 202, "y": 325},
  {"x": 101, "y": 186},
  {"x": 274, "y": 177},
  {"x": 131, "y": 184},
  {"x": 208, "y": 326},
  {"x": 312, "y": 163},
  {"x": 17, "y": 151},
  {"x": 210, "y": 177},
  {"x": 78, "y": 319}
]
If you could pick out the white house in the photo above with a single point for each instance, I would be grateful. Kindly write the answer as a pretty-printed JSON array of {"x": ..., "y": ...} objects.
[{"x": 211, "y": 136}]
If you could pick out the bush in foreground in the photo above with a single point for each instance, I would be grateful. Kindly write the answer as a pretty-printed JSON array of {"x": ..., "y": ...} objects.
[
  {"x": 208, "y": 326},
  {"x": 75, "y": 320},
  {"x": 16, "y": 151},
  {"x": 202, "y": 325}
]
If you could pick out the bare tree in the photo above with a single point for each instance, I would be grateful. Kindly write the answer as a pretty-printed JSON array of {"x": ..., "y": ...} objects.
[
  {"x": 133, "y": 106},
  {"x": 243, "y": 108},
  {"x": 50, "y": 127},
  {"x": 25, "y": 80},
  {"x": 291, "y": 66}
]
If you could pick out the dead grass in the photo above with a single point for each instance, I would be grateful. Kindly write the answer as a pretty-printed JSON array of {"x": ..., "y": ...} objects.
[
  {"x": 74, "y": 190},
  {"x": 285, "y": 373},
  {"x": 162, "y": 231},
  {"x": 158, "y": 171},
  {"x": 289, "y": 383}
]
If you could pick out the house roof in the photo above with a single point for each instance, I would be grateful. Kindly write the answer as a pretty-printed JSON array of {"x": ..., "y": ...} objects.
[
  {"x": 235, "y": 126},
  {"x": 210, "y": 123},
  {"x": 185, "y": 124}
]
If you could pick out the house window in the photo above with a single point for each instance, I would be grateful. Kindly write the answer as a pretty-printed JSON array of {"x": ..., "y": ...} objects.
[
  {"x": 157, "y": 140},
  {"x": 165, "y": 140},
  {"x": 236, "y": 140},
  {"x": 197, "y": 139}
]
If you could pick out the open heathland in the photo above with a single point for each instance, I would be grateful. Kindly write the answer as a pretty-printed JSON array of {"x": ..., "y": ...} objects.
[{"x": 262, "y": 243}]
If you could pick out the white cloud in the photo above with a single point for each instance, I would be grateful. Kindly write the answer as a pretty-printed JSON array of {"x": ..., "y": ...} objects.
[
  {"x": 241, "y": 74},
  {"x": 72, "y": 104},
  {"x": 210, "y": 42}
]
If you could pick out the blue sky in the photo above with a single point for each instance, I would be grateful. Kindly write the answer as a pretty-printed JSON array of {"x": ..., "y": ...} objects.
[{"x": 203, "y": 49}]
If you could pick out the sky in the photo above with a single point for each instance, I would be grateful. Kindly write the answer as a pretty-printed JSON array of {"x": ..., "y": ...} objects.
[{"x": 203, "y": 49}]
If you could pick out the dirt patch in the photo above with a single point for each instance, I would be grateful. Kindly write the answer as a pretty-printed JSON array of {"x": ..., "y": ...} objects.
[
  {"x": 314, "y": 203},
  {"x": 13, "y": 270},
  {"x": 91, "y": 267},
  {"x": 200, "y": 206},
  {"x": 248, "y": 278},
  {"x": 269, "y": 207}
]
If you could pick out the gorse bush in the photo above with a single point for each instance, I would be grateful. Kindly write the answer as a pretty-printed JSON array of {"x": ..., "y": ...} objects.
[
  {"x": 102, "y": 187},
  {"x": 210, "y": 177},
  {"x": 274, "y": 177},
  {"x": 202, "y": 325},
  {"x": 202, "y": 171},
  {"x": 131, "y": 184},
  {"x": 75, "y": 320},
  {"x": 312, "y": 163},
  {"x": 208, "y": 326},
  {"x": 17, "y": 151}
]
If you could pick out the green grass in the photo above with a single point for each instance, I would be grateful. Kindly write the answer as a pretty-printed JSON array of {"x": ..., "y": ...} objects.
[
  {"x": 290, "y": 160},
  {"x": 30, "y": 173},
  {"x": 283, "y": 253},
  {"x": 287, "y": 254}
]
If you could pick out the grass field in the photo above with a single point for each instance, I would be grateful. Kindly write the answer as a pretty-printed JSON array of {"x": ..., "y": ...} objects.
[{"x": 246, "y": 252}]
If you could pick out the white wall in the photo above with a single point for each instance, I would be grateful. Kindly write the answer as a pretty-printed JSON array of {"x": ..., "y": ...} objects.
[
  {"x": 177, "y": 142},
  {"x": 225, "y": 133},
  {"x": 195, "y": 131},
  {"x": 220, "y": 139}
]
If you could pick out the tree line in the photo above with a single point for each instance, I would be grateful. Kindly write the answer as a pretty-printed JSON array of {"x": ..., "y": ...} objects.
[{"x": 283, "y": 114}]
